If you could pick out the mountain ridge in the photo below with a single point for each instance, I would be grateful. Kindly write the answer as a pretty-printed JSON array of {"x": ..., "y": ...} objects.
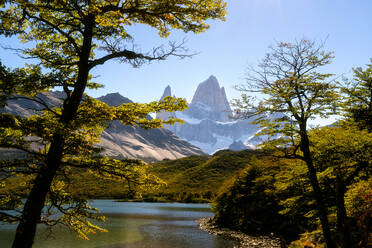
[{"x": 118, "y": 141}]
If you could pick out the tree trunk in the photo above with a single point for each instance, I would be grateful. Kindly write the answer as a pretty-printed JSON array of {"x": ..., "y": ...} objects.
[
  {"x": 342, "y": 225},
  {"x": 321, "y": 208},
  {"x": 31, "y": 213}
]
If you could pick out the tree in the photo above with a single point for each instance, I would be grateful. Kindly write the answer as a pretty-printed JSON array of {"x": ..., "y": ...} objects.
[
  {"x": 343, "y": 156},
  {"x": 358, "y": 98},
  {"x": 359, "y": 208},
  {"x": 250, "y": 202},
  {"x": 291, "y": 86},
  {"x": 66, "y": 36}
]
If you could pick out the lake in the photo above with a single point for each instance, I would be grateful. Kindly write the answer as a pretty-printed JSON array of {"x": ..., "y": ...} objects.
[{"x": 135, "y": 225}]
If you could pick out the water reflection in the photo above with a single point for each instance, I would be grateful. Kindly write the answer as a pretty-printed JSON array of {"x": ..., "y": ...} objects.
[{"x": 135, "y": 224}]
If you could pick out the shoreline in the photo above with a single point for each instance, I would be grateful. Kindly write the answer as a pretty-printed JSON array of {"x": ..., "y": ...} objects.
[{"x": 244, "y": 240}]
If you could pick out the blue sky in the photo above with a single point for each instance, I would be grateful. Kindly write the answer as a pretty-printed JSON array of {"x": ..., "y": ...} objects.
[
  {"x": 228, "y": 47},
  {"x": 250, "y": 27}
]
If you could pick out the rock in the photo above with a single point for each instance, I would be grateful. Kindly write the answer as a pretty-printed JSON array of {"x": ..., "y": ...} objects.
[
  {"x": 210, "y": 102},
  {"x": 114, "y": 99},
  {"x": 167, "y": 92},
  {"x": 245, "y": 240},
  {"x": 165, "y": 115},
  {"x": 238, "y": 145}
]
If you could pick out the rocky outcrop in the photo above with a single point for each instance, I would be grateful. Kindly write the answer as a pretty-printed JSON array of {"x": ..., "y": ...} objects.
[
  {"x": 26, "y": 108},
  {"x": 114, "y": 99},
  {"x": 134, "y": 142},
  {"x": 167, "y": 92},
  {"x": 210, "y": 102},
  {"x": 165, "y": 115},
  {"x": 238, "y": 146}
]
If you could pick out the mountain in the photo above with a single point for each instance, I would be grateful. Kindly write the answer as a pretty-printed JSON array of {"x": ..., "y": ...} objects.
[
  {"x": 208, "y": 124},
  {"x": 114, "y": 99},
  {"x": 165, "y": 115},
  {"x": 118, "y": 140},
  {"x": 237, "y": 146},
  {"x": 210, "y": 102}
]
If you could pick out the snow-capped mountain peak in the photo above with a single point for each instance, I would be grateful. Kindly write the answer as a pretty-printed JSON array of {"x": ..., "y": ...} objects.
[{"x": 207, "y": 123}]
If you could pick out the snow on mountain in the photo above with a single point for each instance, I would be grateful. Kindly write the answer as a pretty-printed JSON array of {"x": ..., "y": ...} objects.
[
  {"x": 207, "y": 122},
  {"x": 187, "y": 118}
]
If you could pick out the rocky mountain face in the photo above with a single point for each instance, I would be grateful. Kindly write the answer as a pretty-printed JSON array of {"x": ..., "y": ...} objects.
[
  {"x": 165, "y": 115},
  {"x": 207, "y": 123},
  {"x": 118, "y": 140},
  {"x": 210, "y": 102}
]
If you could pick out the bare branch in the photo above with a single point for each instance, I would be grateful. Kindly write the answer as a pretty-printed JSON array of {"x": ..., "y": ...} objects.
[
  {"x": 136, "y": 58},
  {"x": 9, "y": 217}
]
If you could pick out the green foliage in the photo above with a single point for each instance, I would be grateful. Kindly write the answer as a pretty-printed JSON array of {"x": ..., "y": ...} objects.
[
  {"x": 359, "y": 206},
  {"x": 274, "y": 194},
  {"x": 264, "y": 198},
  {"x": 294, "y": 188},
  {"x": 312, "y": 239},
  {"x": 358, "y": 202},
  {"x": 199, "y": 176},
  {"x": 79, "y": 150},
  {"x": 342, "y": 152},
  {"x": 296, "y": 90},
  {"x": 58, "y": 27},
  {"x": 168, "y": 169},
  {"x": 358, "y": 98},
  {"x": 244, "y": 202},
  {"x": 65, "y": 37},
  {"x": 289, "y": 79}
]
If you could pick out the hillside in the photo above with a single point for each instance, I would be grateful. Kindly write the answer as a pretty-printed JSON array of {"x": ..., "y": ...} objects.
[
  {"x": 200, "y": 177},
  {"x": 189, "y": 179}
]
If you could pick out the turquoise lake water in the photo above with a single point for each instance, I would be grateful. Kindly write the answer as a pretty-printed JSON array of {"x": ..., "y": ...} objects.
[{"x": 135, "y": 225}]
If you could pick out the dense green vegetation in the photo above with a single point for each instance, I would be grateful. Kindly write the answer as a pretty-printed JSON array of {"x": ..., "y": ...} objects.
[
  {"x": 198, "y": 178},
  {"x": 274, "y": 194},
  {"x": 254, "y": 200},
  {"x": 320, "y": 185}
]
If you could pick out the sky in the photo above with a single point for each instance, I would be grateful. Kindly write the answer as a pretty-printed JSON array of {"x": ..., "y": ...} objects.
[{"x": 227, "y": 48}]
